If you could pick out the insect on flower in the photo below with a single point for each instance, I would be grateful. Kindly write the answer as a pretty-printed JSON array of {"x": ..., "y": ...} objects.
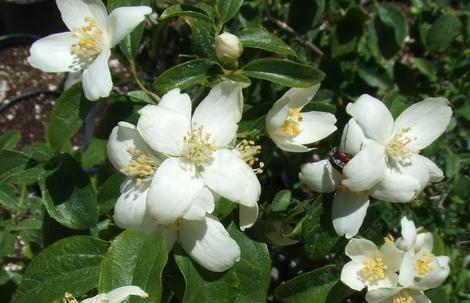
[{"x": 338, "y": 159}]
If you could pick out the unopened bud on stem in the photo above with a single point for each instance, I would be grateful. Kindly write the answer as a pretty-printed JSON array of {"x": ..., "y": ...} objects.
[{"x": 228, "y": 48}]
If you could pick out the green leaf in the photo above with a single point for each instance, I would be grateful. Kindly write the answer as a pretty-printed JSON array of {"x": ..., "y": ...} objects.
[
  {"x": 69, "y": 196},
  {"x": 348, "y": 31},
  {"x": 9, "y": 139},
  {"x": 320, "y": 285},
  {"x": 139, "y": 96},
  {"x": 227, "y": 9},
  {"x": 8, "y": 197},
  {"x": 262, "y": 39},
  {"x": 135, "y": 259},
  {"x": 303, "y": 14},
  {"x": 247, "y": 281},
  {"x": 281, "y": 201},
  {"x": 239, "y": 78},
  {"x": 13, "y": 163},
  {"x": 7, "y": 242},
  {"x": 426, "y": 67},
  {"x": 392, "y": 16},
  {"x": 69, "y": 265},
  {"x": 110, "y": 192},
  {"x": 40, "y": 152},
  {"x": 202, "y": 38},
  {"x": 178, "y": 10},
  {"x": 67, "y": 116},
  {"x": 375, "y": 78},
  {"x": 283, "y": 72},
  {"x": 131, "y": 43},
  {"x": 437, "y": 295},
  {"x": 442, "y": 32},
  {"x": 317, "y": 230},
  {"x": 187, "y": 74},
  {"x": 95, "y": 153}
]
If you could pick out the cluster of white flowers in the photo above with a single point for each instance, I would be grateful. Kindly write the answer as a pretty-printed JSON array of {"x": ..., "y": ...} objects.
[
  {"x": 379, "y": 157},
  {"x": 117, "y": 295},
  {"x": 397, "y": 272}
]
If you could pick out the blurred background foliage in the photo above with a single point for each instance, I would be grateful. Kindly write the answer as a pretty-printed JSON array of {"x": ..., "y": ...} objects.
[{"x": 398, "y": 51}]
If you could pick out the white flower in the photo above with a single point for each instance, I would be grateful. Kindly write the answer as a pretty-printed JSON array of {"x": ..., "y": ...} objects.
[
  {"x": 290, "y": 129},
  {"x": 371, "y": 267},
  {"x": 199, "y": 151},
  {"x": 396, "y": 295},
  {"x": 394, "y": 170},
  {"x": 421, "y": 269},
  {"x": 228, "y": 47},
  {"x": 117, "y": 295},
  {"x": 88, "y": 45}
]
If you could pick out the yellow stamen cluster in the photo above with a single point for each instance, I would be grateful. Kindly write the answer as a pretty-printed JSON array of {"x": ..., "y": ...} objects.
[
  {"x": 389, "y": 239},
  {"x": 403, "y": 297},
  {"x": 89, "y": 39},
  {"x": 198, "y": 148},
  {"x": 249, "y": 152},
  {"x": 397, "y": 148},
  {"x": 291, "y": 126},
  {"x": 140, "y": 167},
  {"x": 374, "y": 269},
  {"x": 423, "y": 264},
  {"x": 69, "y": 298}
]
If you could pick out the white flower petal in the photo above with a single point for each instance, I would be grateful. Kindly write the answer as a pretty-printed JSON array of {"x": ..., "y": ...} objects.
[
  {"x": 373, "y": 116},
  {"x": 366, "y": 168},
  {"x": 53, "y": 54},
  {"x": 229, "y": 176},
  {"x": 435, "y": 173},
  {"x": 436, "y": 277},
  {"x": 209, "y": 244},
  {"x": 407, "y": 269},
  {"x": 349, "y": 211},
  {"x": 427, "y": 120},
  {"x": 351, "y": 276},
  {"x": 353, "y": 138},
  {"x": 120, "y": 294},
  {"x": 123, "y": 138},
  {"x": 163, "y": 129},
  {"x": 408, "y": 232},
  {"x": 392, "y": 256},
  {"x": 248, "y": 216},
  {"x": 315, "y": 126},
  {"x": 130, "y": 209},
  {"x": 417, "y": 169},
  {"x": 220, "y": 112},
  {"x": 390, "y": 280},
  {"x": 419, "y": 297},
  {"x": 202, "y": 205},
  {"x": 396, "y": 187},
  {"x": 319, "y": 176},
  {"x": 382, "y": 295},
  {"x": 97, "y": 82},
  {"x": 287, "y": 145},
  {"x": 74, "y": 12},
  {"x": 172, "y": 191},
  {"x": 424, "y": 241},
  {"x": 178, "y": 102},
  {"x": 360, "y": 249},
  {"x": 171, "y": 236},
  {"x": 123, "y": 20}
]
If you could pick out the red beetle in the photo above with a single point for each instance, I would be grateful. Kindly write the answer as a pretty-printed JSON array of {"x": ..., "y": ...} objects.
[{"x": 339, "y": 159}]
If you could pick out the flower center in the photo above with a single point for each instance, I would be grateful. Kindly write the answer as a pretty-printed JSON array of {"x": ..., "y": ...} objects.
[
  {"x": 397, "y": 147},
  {"x": 374, "y": 269},
  {"x": 89, "y": 39},
  {"x": 403, "y": 298},
  {"x": 249, "y": 152},
  {"x": 197, "y": 146},
  {"x": 423, "y": 264},
  {"x": 291, "y": 126},
  {"x": 141, "y": 167}
]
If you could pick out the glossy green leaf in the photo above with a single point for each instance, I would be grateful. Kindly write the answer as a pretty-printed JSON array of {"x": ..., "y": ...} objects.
[
  {"x": 247, "y": 281},
  {"x": 348, "y": 31},
  {"x": 135, "y": 259},
  {"x": 227, "y": 9},
  {"x": 392, "y": 16},
  {"x": 131, "y": 43},
  {"x": 202, "y": 38},
  {"x": 13, "y": 163},
  {"x": 283, "y": 72},
  {"x": 187, "y": 74},
  {"x": 303, "y": 14},
  {"x": 69, "y": 196},
  {"x": 438, "y": 295},
  {"x": 321, "y": 285},
  {"x": 317, "y": 230},
  {"x": 442, "y": 32},
  {"x": 178, "y": 10},
  {"x": 9, "y": 139},
  {"x": 262, "y": 39},
  {"x": 110, "y": 192},
  {"x": 281, "y": 200},
  {"x": 426, "y": 67},
  {"x": 67, "y": 116},
  {"x": 69, "y": 265}
]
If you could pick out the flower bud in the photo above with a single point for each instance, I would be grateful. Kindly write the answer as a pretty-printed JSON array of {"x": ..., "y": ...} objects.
[{"x": 228, "y": 48}]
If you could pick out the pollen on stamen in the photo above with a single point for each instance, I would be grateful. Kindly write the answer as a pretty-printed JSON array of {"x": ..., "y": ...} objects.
[
  {"x": 141, "y": 167},
  {"x": 68, "y": 298},
  {"x": 198, "y": 147},
  {"x": 397, "y": 147},
  {"x": 89, "y": 39},
  {"x": 389, "y": 239},
  {"x": 291, "y": 126},
  {"x": 374, "y": 269},
  {"x": 249, "y": 152},
  {"x": 403, "y": 298},
  {"x": 423, "y": 264}
]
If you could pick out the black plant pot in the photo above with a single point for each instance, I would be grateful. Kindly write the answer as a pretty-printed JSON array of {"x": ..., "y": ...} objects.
[{"x": 40, "y": 18}]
